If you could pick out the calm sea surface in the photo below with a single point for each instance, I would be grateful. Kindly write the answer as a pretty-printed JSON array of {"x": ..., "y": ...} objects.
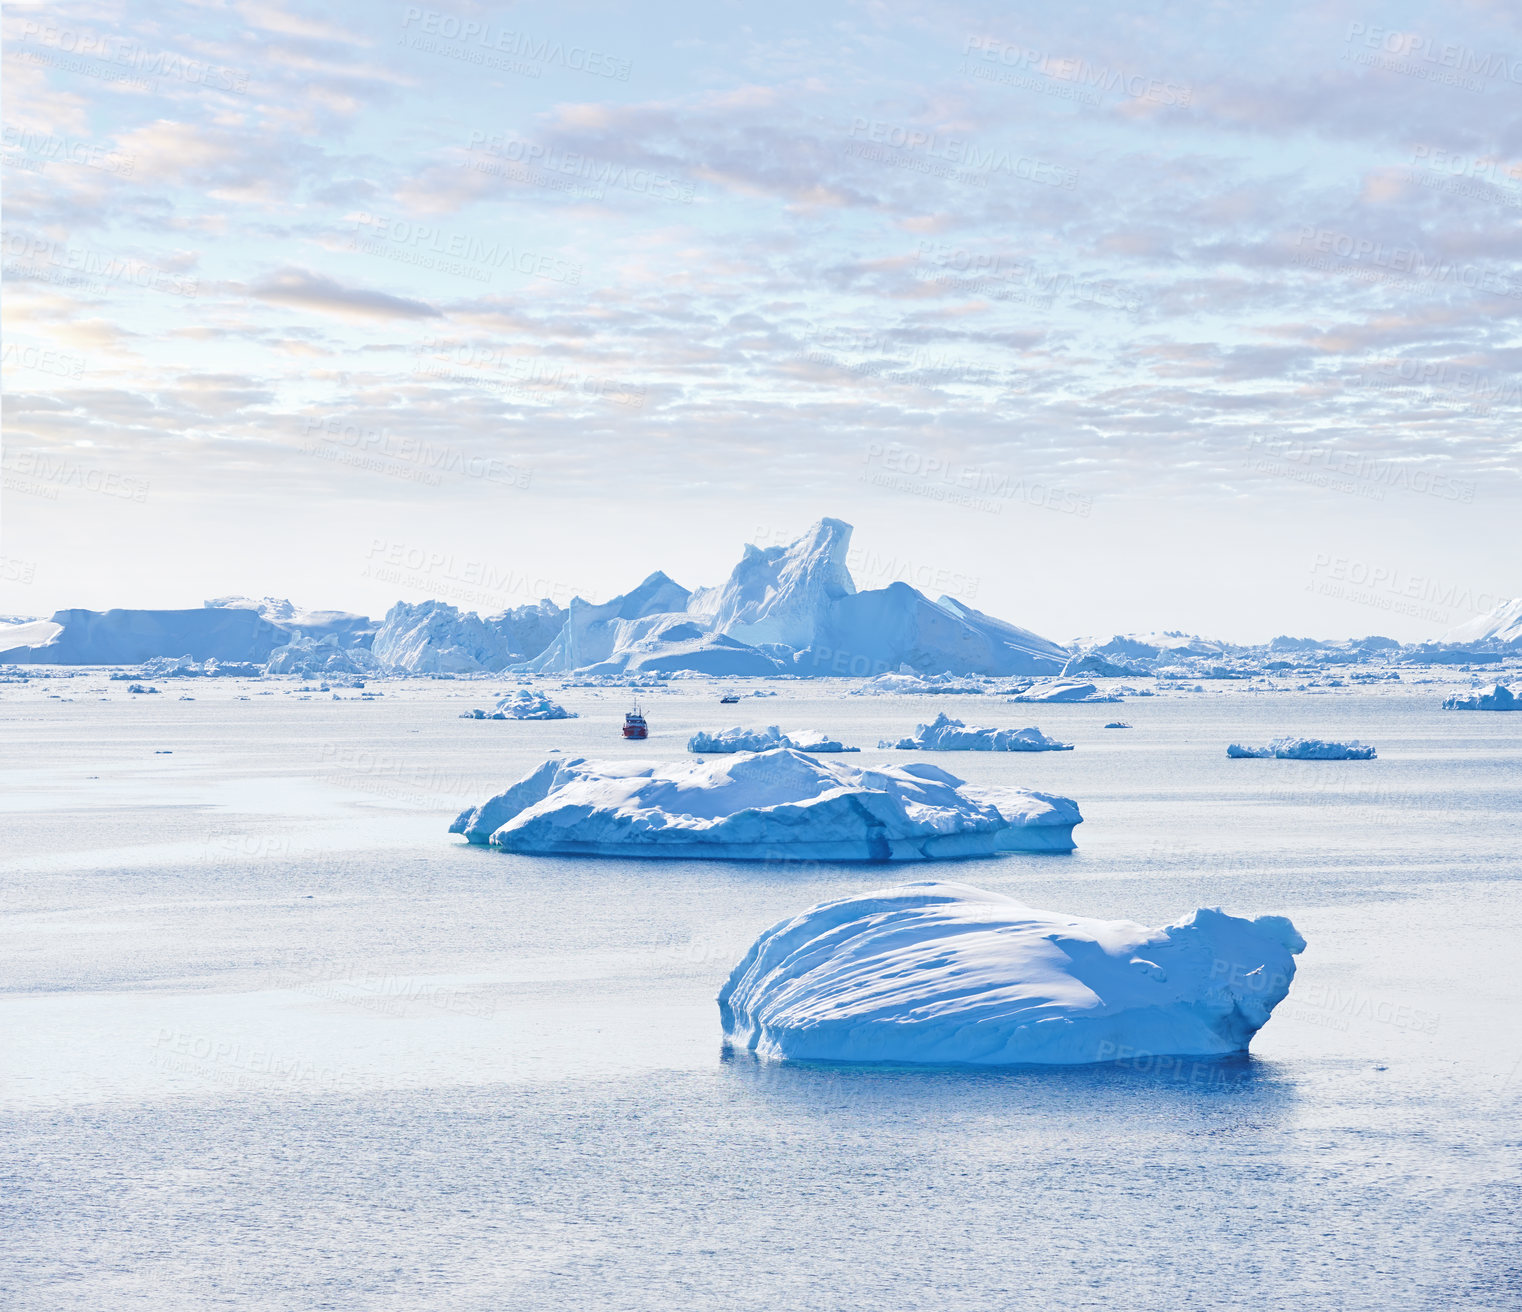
[{"x": 272, "y": 1039}]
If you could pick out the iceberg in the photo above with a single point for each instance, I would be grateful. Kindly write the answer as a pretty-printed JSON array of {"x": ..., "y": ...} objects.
[
  {"x": 908, "y": 684},
  {"x": 523, "y": 704},
  {"x": 1064, "y": 691},
  {"x": 791, "y": 610},
  {"x": 1170, "y": 643},
  {"x": 346, "y": 628},
  {"x": 312, "y": 657},
  {"x": 882, "y": 630},
  {"x": 945, "y": 974},
  {"x": 1304, "y": 749},
  {"x": 592, "y": 633},
  {"x": 783, "y": 611},
  {"x": 130, "y": 637},
  {"x": 762, "y": 740},
  {"x": 1428, "y": 654},
  {"x": 775, "y": 805},
  {"x": 678, "y": 646},
  {"x": 1497, "y": 697},
  {"x": 1502, "y": 623},
  {"x": 781, "y": 595},
  {"x": 433, "y": 637},
  {"x": 944, "y": 734},
  {"x": 184, "y": 667},
  {"x": 1097, "y": 667}
]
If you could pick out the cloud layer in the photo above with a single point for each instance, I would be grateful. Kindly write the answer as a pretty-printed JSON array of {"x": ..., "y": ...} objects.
[{"x": 1131, "y": 317}]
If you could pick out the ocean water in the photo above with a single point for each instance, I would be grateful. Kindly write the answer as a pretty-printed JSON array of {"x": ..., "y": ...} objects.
[{"x": 273, "y": 1039}]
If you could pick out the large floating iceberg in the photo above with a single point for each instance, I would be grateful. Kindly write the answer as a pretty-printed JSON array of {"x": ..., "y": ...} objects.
[
  {"x": 1497, "y": 697},
  {"x": 321, "y": 657},
  {"x": 946, "y": 974},
  {"x": 1304, "y": 749},
  {"x": 1503, "y": 623},
  {"x": 130, "y": 637},
  {"x": 433, "y": 637},
  {"x": 761, "y": 740},
  {"x": 943, "y": 734},
  {"x": 774, "y": 805},
  {"x": 791, "y": 610}
]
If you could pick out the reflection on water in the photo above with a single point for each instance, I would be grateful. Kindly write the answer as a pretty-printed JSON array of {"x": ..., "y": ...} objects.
[{"x": 1112, "y": 1092}]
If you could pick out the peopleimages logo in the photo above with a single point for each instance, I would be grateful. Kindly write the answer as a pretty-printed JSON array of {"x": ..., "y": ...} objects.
[
  {"x": 383, "y": 444},
  {"x": 963, "y": 154},
  {"x": 1378, "y": 473},
  {"x": 405, "y": 236},
  {"x": 473, "y": 34},
  {"x": 76, "y": 45},
  {"x": 1316, "y": 246},
  {"x": 587, "y": 168},
  {"x": 52, "y": 149},
  {"x": 1101, "y": 78},
  {"x": 1446, "y": 56},
  {"x": 939, "y": 479}
]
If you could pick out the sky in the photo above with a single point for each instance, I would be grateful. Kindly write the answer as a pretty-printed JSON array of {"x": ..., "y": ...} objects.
[{"x": 1099, "y": 318}]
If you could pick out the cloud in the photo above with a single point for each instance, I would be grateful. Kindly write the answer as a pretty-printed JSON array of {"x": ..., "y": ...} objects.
[{"x": 315, "y": 291}]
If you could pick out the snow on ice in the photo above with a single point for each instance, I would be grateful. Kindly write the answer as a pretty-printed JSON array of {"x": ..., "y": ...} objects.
[
  {"x": 942, "y": 973},
  {"x": 943, "y": 734},
  {"x": 1304, "y": 749},
  {"x": 523, "y": 704},
  {"x": 775, "y": 805},
  {"x": 760, "y": 740},
  {"x": 1497, "y": 697}
]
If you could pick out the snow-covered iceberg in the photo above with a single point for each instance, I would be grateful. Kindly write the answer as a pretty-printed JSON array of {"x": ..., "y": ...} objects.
[
  {"x": 943, "y": 734},
  {"x": 1497, "y": 697},
  {"x": 433, "y": 637},
  {"x": 593, "y": 632},
  {"x": 679, "y": 646},
  {"x": 775, "y": 805},
  {"x": 908, "y": 684},
  {"x": 1064, "y": 690},
  {"x": 1502, "y": 623},
  {"x": 1097, "y": 667},
  {"x": 791, "y": 610},
  {"x": 941, "y": 973},
  {"x": 1171, "y": 644},
  {"x": 1304, "y": 749},
  {"x": 345, "y": 627},
  {"x": 523, "y": 704},
  {"x": 779, "y": 595},
  {"x": 130, "y": 637},
  {"x": 761, "y": 740},
  {"x": 312, "y": 657}
]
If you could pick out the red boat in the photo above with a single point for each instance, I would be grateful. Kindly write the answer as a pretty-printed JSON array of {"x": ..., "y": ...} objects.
[{"x": 635, "y": 726}]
